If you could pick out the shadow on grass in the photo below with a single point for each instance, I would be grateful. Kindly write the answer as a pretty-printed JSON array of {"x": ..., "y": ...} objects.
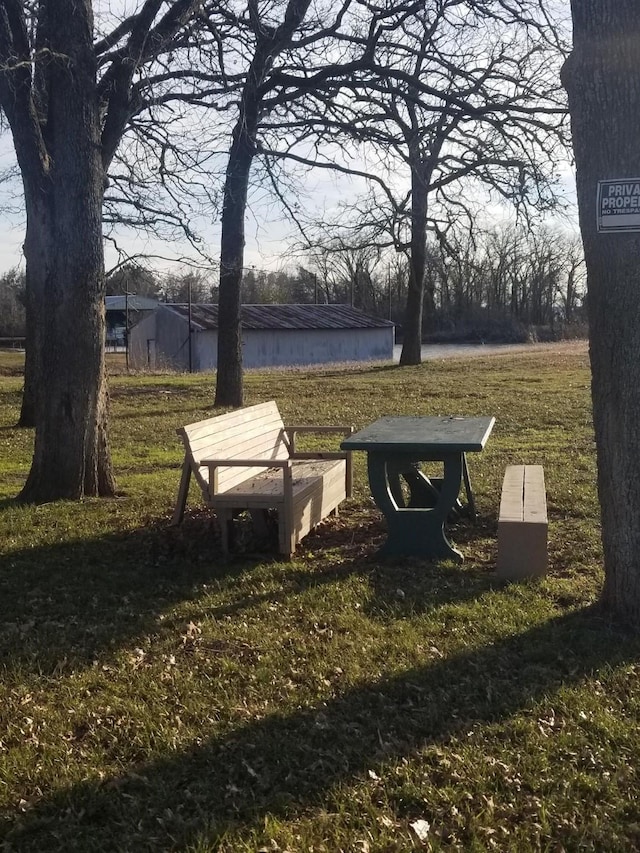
[
  {"x": 284, "y": 765},
  {"x": 64, "y": 605},
  {"x": 402, "y": 586},
  {"x": 7, "y": 503},
  {"x": 75, "y": 600}
]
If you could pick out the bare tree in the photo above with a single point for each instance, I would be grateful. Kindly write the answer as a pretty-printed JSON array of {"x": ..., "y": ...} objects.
[
  {"x": 68, "y": 98},
  {"x": 571, "y": 290},
  {"x": 291, "y": 51},
  {"x": 457, "y": 96},
  {"x": 348, "y": 271},
  {"x": 602, "y": 77},
  {"x": 270, "y": 40}
]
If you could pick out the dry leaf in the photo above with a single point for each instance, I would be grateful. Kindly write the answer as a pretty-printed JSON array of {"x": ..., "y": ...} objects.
[{"x": 421, "y": 828}]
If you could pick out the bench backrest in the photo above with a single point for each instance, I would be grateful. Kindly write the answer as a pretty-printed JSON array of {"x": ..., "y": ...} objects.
[{"x": 255, "y": 432}]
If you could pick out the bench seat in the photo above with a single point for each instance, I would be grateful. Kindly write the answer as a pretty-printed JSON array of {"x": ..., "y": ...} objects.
[
  {"x": 247, "y": 460},
  {"x": 522, "y": 524}
]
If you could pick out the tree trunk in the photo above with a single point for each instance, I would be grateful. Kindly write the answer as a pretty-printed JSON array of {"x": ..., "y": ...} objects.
[
  {"x": 29, "y": 405},
  {"x": 602, "y": 78},
  {"x": 71, "y": 453},
  {"x": 270, "y": 41},
  {"x": 229, "y": 380},
  {"x": 35, "y": 252},
  {"x": 229, "y": 383},
  {"x": 412, "y": 326}
]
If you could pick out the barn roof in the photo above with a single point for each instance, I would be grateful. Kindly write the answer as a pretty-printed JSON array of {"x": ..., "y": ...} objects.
[
  {"x": 132, "y": 302},
  {"x": 285, "y": 317}
]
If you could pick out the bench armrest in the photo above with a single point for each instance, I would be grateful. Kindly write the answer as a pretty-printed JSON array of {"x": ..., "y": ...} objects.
[
  {"x": 245, "y": 463},
  {"x": 330, "y": 454},
  {"x": 290, "y": 432}
]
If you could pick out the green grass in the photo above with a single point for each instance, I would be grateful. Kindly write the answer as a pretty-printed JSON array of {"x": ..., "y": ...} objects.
[{"x": 157, "y": 697}]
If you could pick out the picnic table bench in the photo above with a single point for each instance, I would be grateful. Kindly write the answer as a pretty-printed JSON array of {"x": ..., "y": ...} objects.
[
  {"x": 247, "y": 460},
  {"x": 522, "y": 523}
]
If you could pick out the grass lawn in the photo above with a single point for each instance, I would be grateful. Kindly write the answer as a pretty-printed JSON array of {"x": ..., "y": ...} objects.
[{"x": 156, "y": 697}]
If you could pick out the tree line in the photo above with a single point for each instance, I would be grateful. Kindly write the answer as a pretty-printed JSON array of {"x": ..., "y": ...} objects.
[{"x": 514, "y": 283}]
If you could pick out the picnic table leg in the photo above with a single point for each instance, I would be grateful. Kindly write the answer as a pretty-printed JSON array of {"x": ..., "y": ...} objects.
[
  {"x": 414, "y": 531},
  {"x": 471, "y": 501},
  {"x": 425, "y": 490},
  {"x": 422, "y": 492}
]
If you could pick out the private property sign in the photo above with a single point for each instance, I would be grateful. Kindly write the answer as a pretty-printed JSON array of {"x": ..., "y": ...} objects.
[{"x": 618, "y": 205}]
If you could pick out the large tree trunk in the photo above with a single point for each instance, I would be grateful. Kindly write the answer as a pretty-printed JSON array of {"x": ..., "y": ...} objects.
[
  {"x": 71, "y": 454},
  {"x": 29, "y": 405},
  {"x": 35, "y": 251},
  {"x": 602, "y": 78},
  {"x": 412, "y": 326}
]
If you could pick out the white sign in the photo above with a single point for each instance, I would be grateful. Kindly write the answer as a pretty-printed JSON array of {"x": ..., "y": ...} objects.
[{"x": 618, "y": 205}]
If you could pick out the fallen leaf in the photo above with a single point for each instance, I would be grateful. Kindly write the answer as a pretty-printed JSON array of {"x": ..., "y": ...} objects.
[{"x": 421, "y": 828}]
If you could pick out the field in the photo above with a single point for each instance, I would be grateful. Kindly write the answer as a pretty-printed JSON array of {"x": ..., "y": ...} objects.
[{"x": 157, "y": 697}]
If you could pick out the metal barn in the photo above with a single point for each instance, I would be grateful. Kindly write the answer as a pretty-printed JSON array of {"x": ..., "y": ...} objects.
[
  {"x": 124, "y": 311},
  {"x": 272, "y": 335}
]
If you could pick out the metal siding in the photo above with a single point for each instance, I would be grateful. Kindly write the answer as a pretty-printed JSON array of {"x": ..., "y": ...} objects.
[
  {"x": 262, "y": 348},
  {"x": 296, "y": 348},
  {"x": 138, "y": 337},
  {"x": 205, "y": 350},
  {"x": 172, "y": 346}
]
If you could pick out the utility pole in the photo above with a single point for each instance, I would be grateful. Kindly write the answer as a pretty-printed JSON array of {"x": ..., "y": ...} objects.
[
  {"x": 189, "y": 321},
  {"x": 126, "y": 326}
]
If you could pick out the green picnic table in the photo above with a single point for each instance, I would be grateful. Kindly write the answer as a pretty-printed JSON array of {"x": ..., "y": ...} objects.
[{"x": 396, "y": 447}]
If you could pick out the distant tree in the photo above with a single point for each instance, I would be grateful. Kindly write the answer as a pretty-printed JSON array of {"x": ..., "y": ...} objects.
[
  {"x": 508, "y": 278},
  {"x": 133, "y": 278},
  {"x": 12, "y": 304},
  {"x": 254, "y": 287},
  {"x": 602, "y": 77},
  {"x": 192, "y": 286},
  {"x": 301, "y": 287},
  {"x": 348, "y": 272},
  {"x": 571, "y": 291}
]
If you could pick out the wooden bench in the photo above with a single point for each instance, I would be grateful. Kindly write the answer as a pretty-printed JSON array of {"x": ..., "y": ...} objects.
[
  {"x": 522, "y": 524},
  {"x": 247, "y": 460}
]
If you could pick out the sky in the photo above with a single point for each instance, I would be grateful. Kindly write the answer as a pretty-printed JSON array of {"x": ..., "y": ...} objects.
[
  {"x": 267, "y": 234},
  {"x": 267, "y": 237}
]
